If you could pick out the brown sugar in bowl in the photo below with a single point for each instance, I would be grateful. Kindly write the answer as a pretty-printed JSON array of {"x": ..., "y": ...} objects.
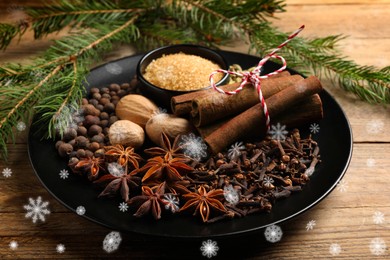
[{"x": 177, "y": 69}]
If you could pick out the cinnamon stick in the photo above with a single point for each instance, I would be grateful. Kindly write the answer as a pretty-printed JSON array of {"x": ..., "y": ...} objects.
[
  {"x": 207, "y": 109},
  {"x": 252, "y": 121},
  {"x": 182, "y": 104},
  {"x": 301, "y": 113}
]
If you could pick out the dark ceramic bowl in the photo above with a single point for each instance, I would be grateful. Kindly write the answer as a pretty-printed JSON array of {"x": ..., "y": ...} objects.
[{"x": 162, "y": 97}]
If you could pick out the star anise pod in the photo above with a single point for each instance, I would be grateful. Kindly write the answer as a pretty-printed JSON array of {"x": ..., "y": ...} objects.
[
  {"x": 166, "y": 149},
  {"x": 204, "y": 202},
  {"x": 165, "y": 169},
  {"x": 92, "y": 165},
  {"x": 114, "y": 184},
  {"x": 124, "y": 155},
  {"x": 150, "y": 201}
]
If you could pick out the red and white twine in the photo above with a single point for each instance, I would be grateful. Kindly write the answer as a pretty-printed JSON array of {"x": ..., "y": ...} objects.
[{"x": 254, "y": 77}]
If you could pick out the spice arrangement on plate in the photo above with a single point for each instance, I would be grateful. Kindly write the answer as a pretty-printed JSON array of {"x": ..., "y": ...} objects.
[{"x": 163, "y": 164}]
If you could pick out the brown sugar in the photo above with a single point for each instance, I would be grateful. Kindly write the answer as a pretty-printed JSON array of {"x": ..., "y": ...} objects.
[{"x": 181, "y": 72}]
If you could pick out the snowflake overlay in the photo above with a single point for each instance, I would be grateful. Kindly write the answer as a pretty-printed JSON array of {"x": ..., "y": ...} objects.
[
  {"x": 300, "y": 88},
  {"x": 193, "y": 146},
  {"x": 310, "y": 225},
  {"x": 235, "y": 151},
  {"x": 64, "y": 174},
  {"x": 375, "y": 126},
  {"x": 80, "y": 210},
  {"x": 172, "y": 202},
  {"x": 273, "y": 233},
  {"x": 7, "y": 172},
  {"x": 21, "y": 126},
  {"x": 334, "y": 249},
  {"x": 113, "y": 68},
  {"x": 378, "y": 246},
  {"x": 209, "y": 248},
  {"x": 342, "y": 186},
  {"x": 231, "y": 195},
  {"x": 378, "y": 217},
  {"x": 69, "y": 118},
  {"x": 123, "y": 206},
  {"x": 13, "y": 245},
  {"x": 370, "y": 162},
  {"x": 60, "y": 248},
  {"x": 112, "y": 241},
  {"x": 278, "y": 132},
  {"x": 36, "y": 209},
  {"x": 267, "y": 181},
  {"x": 314, "y": 128},
  {"x": 116, "y": 169}
]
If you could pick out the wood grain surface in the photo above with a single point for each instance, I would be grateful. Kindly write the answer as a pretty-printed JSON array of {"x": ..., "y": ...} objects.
[{"x": 344, "y": 218}]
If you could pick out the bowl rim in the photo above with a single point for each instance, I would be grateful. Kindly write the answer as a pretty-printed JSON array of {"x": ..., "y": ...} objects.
[{"x": 159, "y": 49}]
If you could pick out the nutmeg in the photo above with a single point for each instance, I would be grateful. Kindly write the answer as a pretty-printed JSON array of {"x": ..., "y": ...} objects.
[
  {"x": 126, "y": 133},
  {"x": 171, "y": 125},
  {"x": 135, "y": 108}
]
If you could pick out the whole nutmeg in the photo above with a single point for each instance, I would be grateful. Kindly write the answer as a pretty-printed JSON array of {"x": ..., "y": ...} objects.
[
  {"x": 135, "y": 108},
  {"x": 90, "y": 109},
  {"x": 70, "y": 134},
  {"x": 91, "y": 120},
  {"x": 109, "y": 107},
  {"x": 81, "y": 130},
  {"x": 65, "y": 149},
  {"x": 94, "y": 130},
  {"x": 171, "y": 125},
  {"x": 126, "y": 133},
  {"x": 81, "y": 141}
]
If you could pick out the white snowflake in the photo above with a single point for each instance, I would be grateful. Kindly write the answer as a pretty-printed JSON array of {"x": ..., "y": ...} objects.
[
  {"x": 60, "y": 248},
  {"x": 314, "y": 128},
  {"x": 116, "y": 169},
  {"x": 112, "y": 241},
  {"x": 64, "y": 174},
  {"x": 378, "y": 246},
  {"x": 160, "y": 111},
  {"x": 300, "y": 88},
  {"x": 267, "y": 181},
  {"x": 123, "y": 206},
  {"x": 334, "y": 249},
  {"x": 13, "y": 245},
  {"x": 378, "y": 217},
  {"x": 7, "y": 172},
  {"x": 375, "y": 126},
  {"x": 273, "y": 233},
  {"x": 17, "y": 13},
  {"x": 69, "y": 118},
  {"x": 370, "y": 162},
  {"x": 231, "y": 194},
  {"x": 172, "y": 202},
  {"x": 36, "y": 209},
  {"x": 21, "y": 126},
  {"x": 193, "y": 146},
  {"x": 235, "y": 150},
  {"x": 80, "y": 210},
  {"x": 113, "y": 68},
  {"x": 342, "y": 186},
  {"x": 310, "y": 225},
  {"x": 278, "y": 132},
  {"x": 209, "y": 248}
]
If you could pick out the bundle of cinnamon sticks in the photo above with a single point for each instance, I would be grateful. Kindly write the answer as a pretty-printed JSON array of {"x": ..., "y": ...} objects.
[{"x": 224, "y": 119}]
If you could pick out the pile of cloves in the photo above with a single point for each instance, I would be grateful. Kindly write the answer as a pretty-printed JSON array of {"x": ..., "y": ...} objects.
[{"x": 257, "y": 174}]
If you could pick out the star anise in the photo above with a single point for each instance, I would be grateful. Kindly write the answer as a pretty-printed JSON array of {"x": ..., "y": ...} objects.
[
  {"x": 92, "y": 165},
  {"x": 165, "y": 169},
  {"x": 150, "y": 201},
  {"x": 204, "y": 202},
  {"x": 124, "y": 155},
  {"x": 166, "y": 149},
  {"x": 124, "y": 184}
]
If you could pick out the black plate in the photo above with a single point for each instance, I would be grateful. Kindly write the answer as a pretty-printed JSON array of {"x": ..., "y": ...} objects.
[{"x": 334, "y": 138}]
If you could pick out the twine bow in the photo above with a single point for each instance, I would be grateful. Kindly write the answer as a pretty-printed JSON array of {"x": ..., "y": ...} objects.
[{"x": 254, "y": 77}]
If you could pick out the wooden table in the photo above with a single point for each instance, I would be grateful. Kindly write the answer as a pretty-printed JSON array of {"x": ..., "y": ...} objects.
[{"x": 344, "y": 220}]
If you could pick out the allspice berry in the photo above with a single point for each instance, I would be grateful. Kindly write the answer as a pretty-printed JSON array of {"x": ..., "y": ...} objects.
[
  {"x": 93, "y": 146},
  {"x": 81, "y": 141},
  {"x": 81, "y": 130},
  {"x": 98, "y": 138},
  {"x": 89, "y": 109},
  {"x": 104, "y": 100},
  {"x": 80, "y": 153},
  {"x": 88, "y": 153},
  {"x": 58, "y": 143},
  {"x": 91, "y": 120},
  {"x": 104, "y": 115},
  {"x": 65, "y": 149},
  {"x": 109, "y": 107},
  {"x": 70, "y": 134},
  {"x": 94, "y": 130},
  {"x": 99, "y": 153}
]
